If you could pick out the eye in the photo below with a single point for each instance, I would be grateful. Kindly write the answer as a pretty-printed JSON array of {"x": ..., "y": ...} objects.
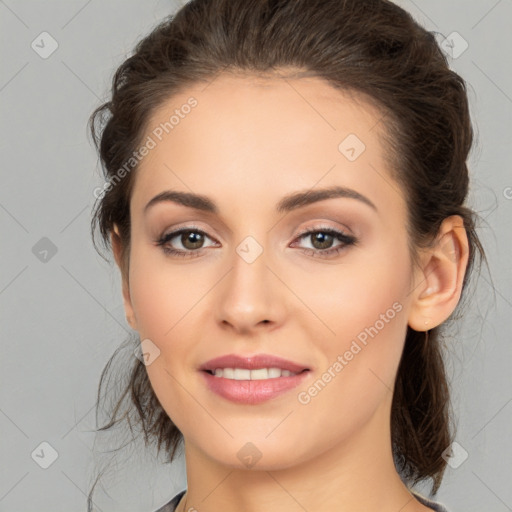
[
  {"x": 322, "y": 240},
  {"x": 192, "y": 241},
  {"x": 190, "y": 238}
]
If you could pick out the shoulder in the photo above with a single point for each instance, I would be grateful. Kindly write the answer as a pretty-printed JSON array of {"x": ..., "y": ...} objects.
[
  {"x": 434, "y": 505},
  {"x": 171, "y": 505}
]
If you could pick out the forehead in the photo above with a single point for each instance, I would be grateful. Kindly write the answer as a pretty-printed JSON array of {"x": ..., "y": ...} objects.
[
  {"x": 271, "y": 101},
  {"x": 255, "y": 134}
]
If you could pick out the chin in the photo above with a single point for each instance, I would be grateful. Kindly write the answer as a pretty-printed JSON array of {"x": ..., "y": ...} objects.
[{"x": 258, "y": 456}]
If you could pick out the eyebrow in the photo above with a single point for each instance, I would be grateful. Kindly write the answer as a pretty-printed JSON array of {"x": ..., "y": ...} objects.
[{"x": 286, "y": 204}]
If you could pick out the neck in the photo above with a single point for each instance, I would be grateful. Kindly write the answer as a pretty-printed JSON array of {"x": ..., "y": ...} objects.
[{"x": 357, "y": 474}]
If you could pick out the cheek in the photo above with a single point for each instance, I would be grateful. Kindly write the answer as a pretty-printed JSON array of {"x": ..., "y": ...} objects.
[
  {"x": 356, "y": 294},
  {"x": 163, "y": 300},
  {"x": 360, "y": 352},
  {"x": 360, "y": 311},
  {"x": 163, "y": 294}
]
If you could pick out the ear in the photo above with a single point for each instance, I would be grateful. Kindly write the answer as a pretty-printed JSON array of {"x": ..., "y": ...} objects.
[
  {"x": 117, "y": 250},
  {"x": 438, "y": 284}
]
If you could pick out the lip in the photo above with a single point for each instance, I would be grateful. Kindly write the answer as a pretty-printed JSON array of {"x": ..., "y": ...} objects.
[
  {"x": 252, "y": 391},
  {"x": 253, "y": 362}
]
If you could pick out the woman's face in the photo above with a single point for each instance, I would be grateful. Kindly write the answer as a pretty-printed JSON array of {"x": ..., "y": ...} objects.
[{"x": 246, "y": 282}]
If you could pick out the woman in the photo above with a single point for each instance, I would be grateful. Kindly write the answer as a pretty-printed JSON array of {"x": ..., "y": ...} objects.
[{"x": 285, "y": 199}]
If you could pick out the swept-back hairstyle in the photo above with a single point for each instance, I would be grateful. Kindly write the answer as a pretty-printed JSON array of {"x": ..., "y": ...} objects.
[{"x": 371, "y": 47}]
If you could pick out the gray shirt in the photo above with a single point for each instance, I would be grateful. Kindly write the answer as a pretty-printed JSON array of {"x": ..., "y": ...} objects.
[{"x": 434, "y": 505}]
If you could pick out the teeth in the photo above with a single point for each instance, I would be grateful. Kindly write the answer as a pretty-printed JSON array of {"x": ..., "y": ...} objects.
[{"x": 257, "y": 374}]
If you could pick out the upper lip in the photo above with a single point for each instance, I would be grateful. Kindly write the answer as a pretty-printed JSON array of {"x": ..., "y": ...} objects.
[{"x": 252, "y": 362}]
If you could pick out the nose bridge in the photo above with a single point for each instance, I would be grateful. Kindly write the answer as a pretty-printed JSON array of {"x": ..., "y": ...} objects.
[
  {"x": 251, "y": 293},
  {"x": 249, "y": 277}
]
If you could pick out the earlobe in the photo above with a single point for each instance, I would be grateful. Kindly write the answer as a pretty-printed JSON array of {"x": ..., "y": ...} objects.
[{"x": 438, "y": 286}]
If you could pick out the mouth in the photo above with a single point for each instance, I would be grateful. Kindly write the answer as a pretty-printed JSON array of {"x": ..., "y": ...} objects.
[
  {"x": 254, "y": 378},
  {"x": 254, "y": 366},
  {"x": 254, "y": 374}
]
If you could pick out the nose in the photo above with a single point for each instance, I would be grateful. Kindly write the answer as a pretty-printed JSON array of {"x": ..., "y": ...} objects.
[{"x": 252, "y": 295}]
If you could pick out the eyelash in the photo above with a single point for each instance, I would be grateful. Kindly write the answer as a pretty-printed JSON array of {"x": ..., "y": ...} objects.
[{"x": 347, "y": 240}]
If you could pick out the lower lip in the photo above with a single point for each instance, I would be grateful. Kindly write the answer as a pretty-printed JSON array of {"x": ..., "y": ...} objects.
[{"x": 252, "y": 391}]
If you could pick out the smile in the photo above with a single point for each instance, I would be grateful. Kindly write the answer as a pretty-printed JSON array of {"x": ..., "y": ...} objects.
[{"x": 256, "y": 374}]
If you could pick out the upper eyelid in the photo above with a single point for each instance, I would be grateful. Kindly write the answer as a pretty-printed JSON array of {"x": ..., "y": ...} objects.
[{"x": 345, "y": 230}]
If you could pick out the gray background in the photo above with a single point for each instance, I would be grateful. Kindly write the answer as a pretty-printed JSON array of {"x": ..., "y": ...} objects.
[{"x": 62, "y": 318}]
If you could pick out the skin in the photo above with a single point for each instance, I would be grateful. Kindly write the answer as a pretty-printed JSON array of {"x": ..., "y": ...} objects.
[{"x": 248, "y": 143}]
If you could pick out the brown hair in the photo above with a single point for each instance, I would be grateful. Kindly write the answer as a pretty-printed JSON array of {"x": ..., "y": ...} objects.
[{"x": 372, "y": 47}]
